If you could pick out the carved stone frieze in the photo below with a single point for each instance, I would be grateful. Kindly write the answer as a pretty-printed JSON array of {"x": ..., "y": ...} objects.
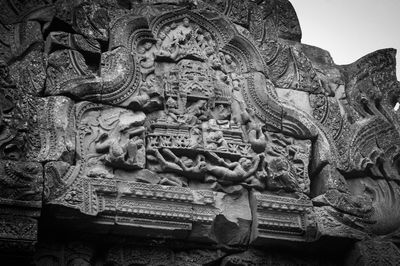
[
  {"x": 21, "y": 187},
  {"x": 197, "y": 121},
  {"x": 211, "y": 109}
]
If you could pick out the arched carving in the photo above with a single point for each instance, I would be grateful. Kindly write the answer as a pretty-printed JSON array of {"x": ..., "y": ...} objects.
[{"x": 203, "y": 121}]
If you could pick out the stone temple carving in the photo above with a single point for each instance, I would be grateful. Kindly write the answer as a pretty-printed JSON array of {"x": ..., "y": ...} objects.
[{"x": 188, "y": 132}]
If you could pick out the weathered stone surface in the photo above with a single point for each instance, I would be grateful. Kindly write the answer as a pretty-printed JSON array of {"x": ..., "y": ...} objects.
[
  {"x": 332, "y": 223},
  {"x": 84, "y": 253},
  {"x": 21, "y": 181},
  {"x": 21, "y": 187},
  {"x": 372, "y": 252},
  {"x": 20, "y": 11},
  {"x": 200, "y": 123},
  {"x": 36, "y": 129},
  {"x": 282, "y": 218},
  {"x": 29, "y": 73},
  {"x": 18, "y": 38},
  {"x": 258, "y": 258},
  {"x": 70, "y": 253},
  {"x": 59, "y": 39},
  {"x": 232, "y": 224},
  {"x": 385, "y": 199}
]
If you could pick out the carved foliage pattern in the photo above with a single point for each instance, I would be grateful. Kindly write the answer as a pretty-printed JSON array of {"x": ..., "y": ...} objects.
[{"x": 184, "y": 117}]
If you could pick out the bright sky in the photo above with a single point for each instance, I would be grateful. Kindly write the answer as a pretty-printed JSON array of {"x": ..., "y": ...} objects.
[{"x": 349, "y": 29}]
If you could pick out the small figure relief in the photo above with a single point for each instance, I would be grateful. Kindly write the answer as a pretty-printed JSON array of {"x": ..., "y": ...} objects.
[
  {"x": 222, "y": 136},
  {"x": 282, "y": 175},
  {"x": 191, "y": 169},
  {"x": 241, "y": 115},
  {"x": 183, "y": 104},
  {"x": 223, "y": 89},
  {"x": 207, "y": 167},
  {"x": 174, "y": 39},
  {"x": 228, "y": 65},
  {"x": 149, "y": 97},
  {"x": 172, "y": 111},
  {"x": 254, "y": 130},
  {"x": 146, "y": 58},
  {"x": 230, "y": 173},
  {"x": 184, "y": 39},
  {"x": 191, "y": 78},
  {"x": 286, "y": 163},
  {"x": 221, "y": 113},
  {"x": 215, "y": 141},
  {"x": 235, "y": 81},
  {"x": 166, "y": 48},
  {"x": 115, "y": 140},
  {"x": 257, "y": 137},
  {"x": 196, "y": 113},
  {"x": 122, "y": 153},
  {"x": 196, "y": 138},
  {"x": 253, "y": 127}
]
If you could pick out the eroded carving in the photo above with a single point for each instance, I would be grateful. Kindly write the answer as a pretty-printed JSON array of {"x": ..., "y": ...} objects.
[{"x": 200, "y": 120}]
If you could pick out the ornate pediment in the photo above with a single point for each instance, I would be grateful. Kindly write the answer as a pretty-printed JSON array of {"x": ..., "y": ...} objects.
[{"x": 202, "y": 129}]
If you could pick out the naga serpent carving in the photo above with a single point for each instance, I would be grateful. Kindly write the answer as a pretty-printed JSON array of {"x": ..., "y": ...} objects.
[{"x": 170, "y": 114}]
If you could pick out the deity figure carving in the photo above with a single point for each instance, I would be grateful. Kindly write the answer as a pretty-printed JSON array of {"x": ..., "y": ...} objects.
[
  {"x": 214, "y": 101},
  {"x": 124, "y": 151},
  {"x": 115, "y": 142},
  {"x": 235, "y": 172},
  {"x": 195, "y": 170}
]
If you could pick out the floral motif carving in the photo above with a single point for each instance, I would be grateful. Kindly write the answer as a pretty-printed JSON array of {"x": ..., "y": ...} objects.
[{"x": 199, "y": 121}]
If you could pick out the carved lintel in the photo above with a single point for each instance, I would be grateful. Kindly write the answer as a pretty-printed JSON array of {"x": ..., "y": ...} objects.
[
  {"x": 221, "y": 129},
  {"x": 166, "y": 210},
  {"x": 154, "y": 210},
  {"x": 282, "y": 218}
]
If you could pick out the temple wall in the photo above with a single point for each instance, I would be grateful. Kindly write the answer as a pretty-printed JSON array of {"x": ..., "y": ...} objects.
[{"x": 191, "y": 132}]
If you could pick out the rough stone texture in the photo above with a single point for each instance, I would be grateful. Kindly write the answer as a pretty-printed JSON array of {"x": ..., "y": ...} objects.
[
  {"x": 191, "y": 132},
  {"x": 84, "y": 253},
  {"x": 374, "y": 253},
  {"x": 21, "y": 187}
]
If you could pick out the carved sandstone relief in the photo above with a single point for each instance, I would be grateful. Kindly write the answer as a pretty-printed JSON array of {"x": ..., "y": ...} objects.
[{"x": 201, "y": 120}]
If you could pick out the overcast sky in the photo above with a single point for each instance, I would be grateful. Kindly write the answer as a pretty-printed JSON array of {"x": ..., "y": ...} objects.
[{"x": 349, "y": 29}]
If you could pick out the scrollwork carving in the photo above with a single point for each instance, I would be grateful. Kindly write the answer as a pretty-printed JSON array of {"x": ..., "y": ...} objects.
[{"x": 200, "y": 120}]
